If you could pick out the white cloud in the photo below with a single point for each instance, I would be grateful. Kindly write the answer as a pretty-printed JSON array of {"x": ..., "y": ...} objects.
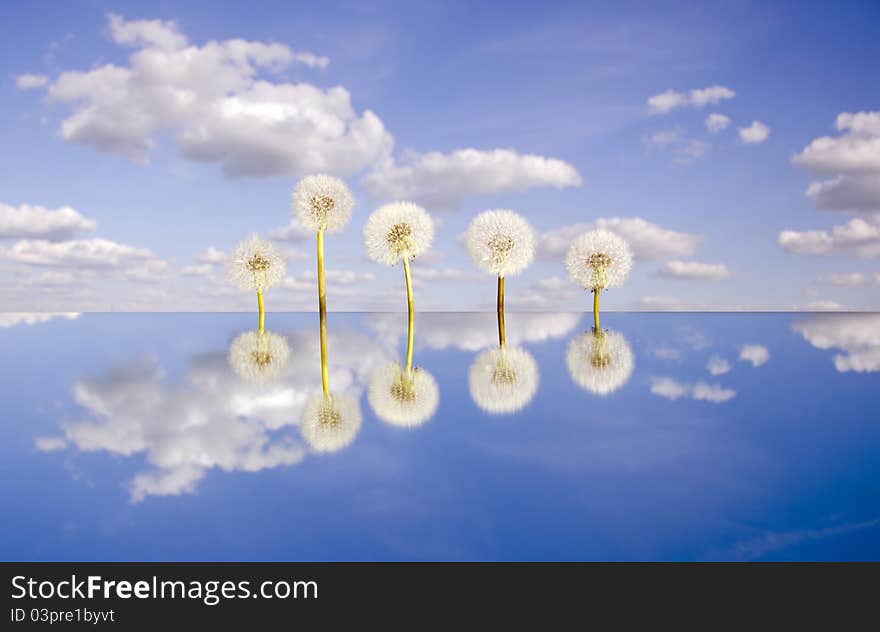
[
  {"x": 755, "y": 133},
  {"x": 718, "y": 365},
  {"x": 212, "y": 256},
  {"x": 852, "y": 159},
  {"x": 857, "y": 336},
  {"x": 50, "y": 444},
  {"x": 217, "y": 105},
  {"x": 716, "y": 122},
  {"x": 341, "y": 277},
  {"x": 442, "y": 180},
  {"x": 860, "y": 237},
  {"x": 28, "y": 81},
  {"x": 422, "y": 273},
  {"x": 700, "y": 97},
  {"x": 84, "y": 253},
  {"x": 11, "y": 319},
  {"x": 647, "y": 240},
  {"x": 851, "y": 279},
  {"x": 29, "y": 221},
  {"x": 293, "y": 232},
  {"x": 821, "y": 306},
  {"x": 694, "y": 270},
  {"x": 670, "y": 388},
  {"x": 756, "y": 354},
  {"x": 201, "y": 269},
  {"x": 211, "y": 418},
  {"x": 685, "y": 149}
]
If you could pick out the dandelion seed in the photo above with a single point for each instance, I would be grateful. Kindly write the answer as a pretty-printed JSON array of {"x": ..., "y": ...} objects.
[
  {"x": 330, "y": 421},
  {"x": 596, "y": 261},
  {"x": 259, "y": 357},
  {"x": 403, "y": 398},
  {"x": 600, "y": 362},
  {"x": 503, "y": 380}
]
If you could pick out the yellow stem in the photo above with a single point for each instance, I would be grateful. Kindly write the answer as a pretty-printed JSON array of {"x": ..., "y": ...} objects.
[
  {"x": 596, "y": 310},
  {"x": 322, "y": 310},
  {"x": 262, "y": 311},
  {"x": 409, "y": 302},
  {"x": 500, "y": 306}
]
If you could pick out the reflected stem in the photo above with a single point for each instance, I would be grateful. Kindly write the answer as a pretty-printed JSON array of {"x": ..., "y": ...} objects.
[
  {"x": 322, "y": 311},
  {"x": 409, "y": 301},
  {"x": 596, "y": 310},
  {"x": 262, "y": 311},
  {"x": 500, "y": 308}
]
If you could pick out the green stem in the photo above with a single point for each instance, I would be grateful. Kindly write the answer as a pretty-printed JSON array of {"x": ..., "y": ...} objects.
[
  {"x": 322, "y": 311},
  {"x": 262, "y": 311},
  {"x": 409, "y": 301},
  {"x": 500, "y": 308}
]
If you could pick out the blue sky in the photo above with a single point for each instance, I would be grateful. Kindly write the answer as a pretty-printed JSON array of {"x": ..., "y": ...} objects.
[{"x": 166, "y": 137}]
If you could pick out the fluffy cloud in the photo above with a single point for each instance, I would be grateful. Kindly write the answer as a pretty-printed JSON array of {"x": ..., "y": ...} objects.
[
  {"x": 755, "y": 133},
  {"x": 843, "y": 280},
  {"x": 685, "y": 149},
  {"x": 212, "y": 256},
  {"x": 860, "y": 237},
  {"x": 718, "y": 365},
  {"x": 28, "y": 81},
  {"x": 27, "y": 221},
  {"x": 648, "y": 240},
  {"x": 11, "y": 319},
  {"x": 694, "y": 270},
  {"x": 852, "y": 159},
  {"x": 700, "y": 97},
  {"x": 717, "y": 122},
  {"x": 442, "y": 180},
  {"x": 856, "y": 336},
  {"x": 670, "y": 388},
  {"x": 211, "y": 419},
  {"x": 293, "y": 232},
  {"x": 756, "y": 354},
  {"x": 434, "y": 275},
  {"x": 82, "y": 253},
  {"x": 215, "y": 102}
]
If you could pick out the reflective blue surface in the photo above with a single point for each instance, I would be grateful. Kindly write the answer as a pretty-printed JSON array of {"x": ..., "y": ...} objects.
[{"x": 719, "y": 437}]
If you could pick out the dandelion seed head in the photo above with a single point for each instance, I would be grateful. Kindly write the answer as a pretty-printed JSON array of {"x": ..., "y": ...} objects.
[
  {"x": 501, "y": 242},
  {"x": 503, "y": 380},
  {"x": 598, "y": 260},
  {"x": 259, "y": 357},
  {"x": 403, "y": 398},
  {"x": 256, "y": 264},
  {"x": 322, "y": 202},
  {"x": 330, "y": 422},
  {"x": 398, "y": 231},
  {"x": 600, "y": 363}
]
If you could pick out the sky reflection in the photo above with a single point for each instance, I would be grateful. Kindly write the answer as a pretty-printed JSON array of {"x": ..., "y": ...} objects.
[{"x": 677, "y": 436}]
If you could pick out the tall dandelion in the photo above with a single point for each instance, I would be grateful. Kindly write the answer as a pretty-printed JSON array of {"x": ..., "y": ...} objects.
[
  {"x": 396, "y": 233},
  {"x": 600, "y": 362},
  {"x": 596, "y": 261},
  {"x": 256, "y": 264},
  {"x": 322, "y": 203},
  {"x": 502, "y": 243},
  {"x": 259, "y": 356},
  {"x": 503, "y": 380},
  {"x": 330, "y": 421}
]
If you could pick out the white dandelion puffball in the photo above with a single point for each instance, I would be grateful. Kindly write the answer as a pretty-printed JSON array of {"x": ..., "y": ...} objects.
[
  {"x": 259, "y": 357},
  {"x": 322, "y": 202},
  {"x": 600, "y": 363},
  {"x": 398, "y": 231},
  {"x": 330, "y": 422},
  {"x": 501, "y": 242},
  {"x": 503, "y": 380},
  {"x": 256, "y": 264},
  {"x": 403, "y": 398},
  {"x": 598, "y": 260}
]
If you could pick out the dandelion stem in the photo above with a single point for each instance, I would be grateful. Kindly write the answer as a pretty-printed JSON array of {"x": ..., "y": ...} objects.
[
  {"x": 262, "y": 311},
  {"x": 500, "y": 307},
  {"x": 596, "y": 310},
  {"x": 409, "y": 301},
  {"x": 322, "y": 309}
]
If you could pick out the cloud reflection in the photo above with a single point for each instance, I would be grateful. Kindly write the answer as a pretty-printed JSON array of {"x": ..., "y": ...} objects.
[{"x": 857, "y": 336}]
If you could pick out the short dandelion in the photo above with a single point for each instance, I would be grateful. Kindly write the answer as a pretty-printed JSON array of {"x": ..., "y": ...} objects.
[
  {"x": 600, "y": 362},
  {"x": 259, "y": 356},
  {"x": 396, "y": 233},
  {"x": 256, "y": 264},
  {"x": 596, "y": 261},
  {"x": 322, "y": 203},
  {"x": 503, "y": 380},
  {"x": 502, "y": 243},
  {"x": 403, "y": 397},
  {"x": 330, "y": 421}
]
